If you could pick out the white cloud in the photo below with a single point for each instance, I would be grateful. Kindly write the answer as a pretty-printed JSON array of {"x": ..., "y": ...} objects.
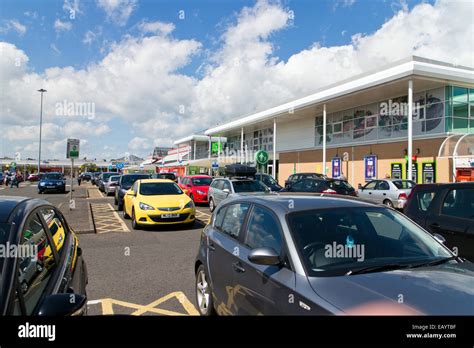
[
  {"x": 156, "y": 27},
  {"x": 118, "y": 11},
  {"x": 13, "y": 24},
  {"x": 72, "y": 8},
  {"x": 140, "y": 79},
  {"x": 62, "y": 26},
  {"x": 55, "y": 49},
  {"x": 92, "y": 35}
]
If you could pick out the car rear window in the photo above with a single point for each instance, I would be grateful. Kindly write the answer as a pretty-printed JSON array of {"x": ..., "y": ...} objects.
[
  {"x": 403, "y": 184},
  {"x": 248, "y": 186}
]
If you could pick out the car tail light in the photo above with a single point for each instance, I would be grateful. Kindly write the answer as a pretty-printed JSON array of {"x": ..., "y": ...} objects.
[
  {"x": 403, "y": 195},
  {"x": 330, "y": 191}
]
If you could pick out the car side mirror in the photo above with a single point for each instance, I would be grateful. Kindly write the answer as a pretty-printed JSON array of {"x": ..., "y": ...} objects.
[
  {"x": 226, "y": 191},
  {"x": 439, "y": 238},
  {"x": 360, "y": 187},
  {"x": 63, "y": 304},
  {"x": 264, "y": 256}
]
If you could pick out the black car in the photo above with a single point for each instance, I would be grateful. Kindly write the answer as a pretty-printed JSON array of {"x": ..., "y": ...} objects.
[
  {"x": 49, "y": 271},
  {"x": 300, "y": 176},
  {"x": 126, "y": 181},
  {"x": 269, "y": 181},
  {"x": 314, "y": 186},
  {"x": 446, "y": 209},
  {"x": 94, "y": 177},
  {"x": 169, "y": 176},
  {"x": 86, "y": 176},
  {"x": 304, "y": 254},
  {"x": 52, "y": 182}
]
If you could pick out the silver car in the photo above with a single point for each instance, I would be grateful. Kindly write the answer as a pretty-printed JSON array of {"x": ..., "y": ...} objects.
[
  {"x": 221, "y": 188},
  {"x": 391, "y": 192},
  {"x": 110, "y": 184}
]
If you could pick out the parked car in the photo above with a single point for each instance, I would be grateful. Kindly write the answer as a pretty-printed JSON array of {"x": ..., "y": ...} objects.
[
  {"x": 111, "y": 184},
  {"x": 391, "y": 192},
  {"x": 222, "y": 188},
  {"x": 49, "y": 278},
  {"x": 300, "y": 176},
  {"x": 196, "y": 187},
  {"x": 269, "y": 181},
  {"x": 103, "y": 177},
  {"x": 327, "y": 186},
  {"x": 2, "y": 178},
  {"x": 169, "y": 176},
  {"x": 52, "y": 182},
  {"x": 158, "y": 202},
  {"x": 446, "y": 209},
  {"x": 95, "y": 177},
  {"x": 34, "y": 177},
  {"x": 125, "y": 183},
  {"x": 342, "y": 187},
  {"x": 86, "y": 176},
  {"x": 330, "y": 255}
]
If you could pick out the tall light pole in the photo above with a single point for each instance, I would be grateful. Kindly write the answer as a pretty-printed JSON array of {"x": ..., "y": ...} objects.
[{"x": 42, "y": 90}]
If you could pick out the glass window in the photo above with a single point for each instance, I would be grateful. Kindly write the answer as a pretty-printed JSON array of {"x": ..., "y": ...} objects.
[
  {"x": 219, "y": 218},
  {"x": 57, "y": 227},
  {"x": 218, "y": 184},
  {"x": 459, "y": 203},
  {"x": 263, "y": 231},
  {"x": 161, "y": 188},
  {"x": 227, "y": 186},
  {"x": 249, "y": 186},
  {"x": 424, "y": 200},
  {"x": 37, "y": 263},
  {"x": 234, "y": 219},
  {"x": 383, "y": 185},
  {"x": 201, "y": 181},
  {"x": 370, "y": 186},
  {"x": 334, "y": 242},
  {"x": 460, "y": 95},
  {"x": 337, "y": 127},
  {"x": 403, "y": 184}
]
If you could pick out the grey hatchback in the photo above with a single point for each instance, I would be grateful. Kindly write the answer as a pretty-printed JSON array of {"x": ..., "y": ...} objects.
[{"x": 305, "y": 254}]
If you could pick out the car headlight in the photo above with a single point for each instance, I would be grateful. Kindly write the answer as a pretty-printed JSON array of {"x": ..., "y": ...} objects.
[
  {"x": 201, "y": 192},
  {"x": 189, "y": 205},
  {"x": 144, "y": 206},
  {"x": 41, "y": 183}
]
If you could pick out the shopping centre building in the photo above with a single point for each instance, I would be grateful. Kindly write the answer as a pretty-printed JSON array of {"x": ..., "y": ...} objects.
[{"x": 368, "y": 130}]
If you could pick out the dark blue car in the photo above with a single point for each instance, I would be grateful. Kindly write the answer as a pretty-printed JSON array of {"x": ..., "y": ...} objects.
[{"x": 52, "y": 182}]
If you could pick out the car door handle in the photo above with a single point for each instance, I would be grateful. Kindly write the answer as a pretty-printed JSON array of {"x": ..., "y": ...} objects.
[
  {"x": 211, "y": 246},
  {"x": 370, "y": 193},
  {"x": 384, "y": 194},
  {"x": 237, "y": 266}
]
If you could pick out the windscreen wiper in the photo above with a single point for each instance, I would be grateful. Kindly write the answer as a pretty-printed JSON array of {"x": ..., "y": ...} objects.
[
  {"x": 381, "y": 268},
  {"x": 435, "y": 262}
]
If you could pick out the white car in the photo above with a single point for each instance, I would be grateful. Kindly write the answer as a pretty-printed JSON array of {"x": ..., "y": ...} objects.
[
  {"x": 391, "y": 192},
  {"x": 110, "y": 184}
]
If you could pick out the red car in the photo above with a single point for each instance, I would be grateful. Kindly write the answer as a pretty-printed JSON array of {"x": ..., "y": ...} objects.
[
  {"x": 196, "y": 187},
  {"x": 33, "y": 177}
]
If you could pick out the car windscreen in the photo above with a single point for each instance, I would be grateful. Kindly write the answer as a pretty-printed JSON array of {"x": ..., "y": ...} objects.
[
  {"x": 52, "y": 176},
  {"x": 128, "y": 180},
  {"x": 106, "y": 176},
  {"x": 249, "y": 186},
  {"x": 114, "y": 178},
  {"x": 201, "y": 181},
  {"x": 403, "y": 184},
  {"x": 160, "y": 188},
  {"x": 334, "y": 242}
]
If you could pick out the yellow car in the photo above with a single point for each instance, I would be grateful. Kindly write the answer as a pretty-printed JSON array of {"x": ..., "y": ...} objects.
[{"x": 158, "y": 202}]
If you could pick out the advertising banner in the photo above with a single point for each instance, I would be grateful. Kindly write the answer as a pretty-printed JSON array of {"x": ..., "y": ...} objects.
[
  {"x": 370, "y": 167},
  {"x": 336, "y": 167}
]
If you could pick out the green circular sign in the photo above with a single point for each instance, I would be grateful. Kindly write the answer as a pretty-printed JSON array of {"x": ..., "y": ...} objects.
[
  {"x": 261, "y": 157},
  {"x": 13, "y": 164}
]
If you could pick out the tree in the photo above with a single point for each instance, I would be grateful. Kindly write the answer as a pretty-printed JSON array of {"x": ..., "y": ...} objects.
[{"x": 88, "y": 167}]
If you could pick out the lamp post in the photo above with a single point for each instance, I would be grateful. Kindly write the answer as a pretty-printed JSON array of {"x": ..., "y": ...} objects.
[{"x": 42, "y": 90}]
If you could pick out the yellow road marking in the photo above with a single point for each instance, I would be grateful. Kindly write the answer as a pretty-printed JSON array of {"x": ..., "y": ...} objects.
[
  {"x": 108, "y": 303},
  {"x": 106, "y": 219}
]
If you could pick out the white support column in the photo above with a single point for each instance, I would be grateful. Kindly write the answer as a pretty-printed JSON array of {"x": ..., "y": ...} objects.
[
  {"x": 324, "y": 139},
  {"x": 410, "y": 128},
  {"x": 219, "y": 149},
  {"x": 274, "y": 148},
  {"x": 242, "y": 145},
  {"x": 194, "y": 149}
]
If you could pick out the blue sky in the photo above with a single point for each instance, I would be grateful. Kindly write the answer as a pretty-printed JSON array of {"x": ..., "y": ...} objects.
[{"x": 297, "y": 46}]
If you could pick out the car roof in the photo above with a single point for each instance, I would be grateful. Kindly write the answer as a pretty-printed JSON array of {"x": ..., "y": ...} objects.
[
  {"x": 135, "y": 174},
  {"x": 302, "y": 201},
  {"x": 8, "y": 204},
  {"x": 198, "y": 176}
]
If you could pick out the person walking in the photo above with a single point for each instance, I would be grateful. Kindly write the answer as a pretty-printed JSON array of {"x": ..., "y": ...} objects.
[
  {"x": 14, "y": 181},
  {"x": 79, "y": 178}
]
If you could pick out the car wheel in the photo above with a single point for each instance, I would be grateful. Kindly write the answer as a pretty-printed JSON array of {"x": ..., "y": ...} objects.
[
  {"x": 204, "y": 293},
  {"x": 135, "y": 225},
  {"x": 388, "y": 203},
  {"x": 211, "y": 205},
  {"x": 124, "y": 214}
]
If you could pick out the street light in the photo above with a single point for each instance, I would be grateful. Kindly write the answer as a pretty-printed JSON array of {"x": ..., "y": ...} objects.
[{"x": 42, "y": 90}]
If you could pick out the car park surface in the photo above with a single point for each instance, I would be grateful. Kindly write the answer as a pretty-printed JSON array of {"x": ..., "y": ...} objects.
[
  {"x": 258, "y": 251},
  {"x": 448, "y": 210}
]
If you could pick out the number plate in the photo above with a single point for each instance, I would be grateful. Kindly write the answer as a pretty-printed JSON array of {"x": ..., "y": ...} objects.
[
  {"x": 169, "y": 216},
  {"x": 50, "y": 187}
]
